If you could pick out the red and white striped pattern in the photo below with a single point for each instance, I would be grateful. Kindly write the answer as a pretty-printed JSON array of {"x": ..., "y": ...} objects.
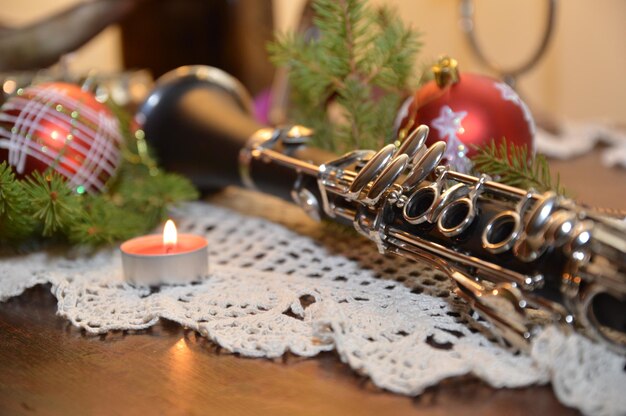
[{"x": 83, "y": 147}]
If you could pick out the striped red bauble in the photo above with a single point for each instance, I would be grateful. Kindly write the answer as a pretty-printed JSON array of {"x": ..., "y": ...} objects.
[{"x": 61, "y": 127}]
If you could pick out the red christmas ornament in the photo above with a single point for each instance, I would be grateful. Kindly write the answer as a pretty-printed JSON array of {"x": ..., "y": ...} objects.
[
  {"x": 61, "y": 127},
  {"x": 467, "y": 110}
]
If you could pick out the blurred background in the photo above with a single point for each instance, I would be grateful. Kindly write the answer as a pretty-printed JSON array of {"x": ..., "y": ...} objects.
[{"x": 580, "y": 76}]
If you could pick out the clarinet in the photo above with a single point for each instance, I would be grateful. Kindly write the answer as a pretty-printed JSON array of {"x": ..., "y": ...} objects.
[{"x": 520, "y": 258}]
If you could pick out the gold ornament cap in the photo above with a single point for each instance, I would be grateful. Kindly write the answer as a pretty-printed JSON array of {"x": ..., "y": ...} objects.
[{"x": 446, "y": 71}]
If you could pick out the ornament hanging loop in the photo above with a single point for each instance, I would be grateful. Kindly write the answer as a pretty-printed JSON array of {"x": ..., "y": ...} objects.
[{"x": 508, "y": 75}]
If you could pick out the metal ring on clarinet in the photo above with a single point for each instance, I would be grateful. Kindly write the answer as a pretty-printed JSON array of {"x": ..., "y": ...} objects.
[
  {"x": 458, "y": 215},
  {"x": 503, "y": 230},
  {"x": 424, "y": 200}
]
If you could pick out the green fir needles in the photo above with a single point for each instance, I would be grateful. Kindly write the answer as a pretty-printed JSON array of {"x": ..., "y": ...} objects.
[
  {"x": 14, "y": 204},
  {"x": 52, "y": 203},
  {"x": 512, "y": 165},
  {"x": 347, "y": 83},
  {"x": 42, "y": 205}
]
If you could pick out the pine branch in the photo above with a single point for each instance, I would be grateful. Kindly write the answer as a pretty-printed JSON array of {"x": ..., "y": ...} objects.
[
  {"x": 15, "y": 223},
  {"x": 363, "y": 57},
  {"x": 512, "y": 165},
  {"x": 392, "y": 54},
  {"x": 52, "y": 202},
  {"x": 151, "y": 195},
  {"x": 103, "y": 222}
]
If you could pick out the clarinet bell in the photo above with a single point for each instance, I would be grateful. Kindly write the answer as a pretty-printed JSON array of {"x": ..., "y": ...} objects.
[{"x": 197, "y": 119}]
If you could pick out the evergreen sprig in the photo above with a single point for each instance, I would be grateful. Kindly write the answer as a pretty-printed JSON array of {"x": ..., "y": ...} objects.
[
  {"x": 103, "y": 222},
  {"x": 53, "y": 204},
  {"x": 512, "y": 165},
  {"x": 14, "y": 224},
  {"x": 347, "y": 83}
]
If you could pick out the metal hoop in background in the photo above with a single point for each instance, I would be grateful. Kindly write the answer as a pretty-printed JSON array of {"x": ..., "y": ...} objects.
[{"x": 508, "y": 75}]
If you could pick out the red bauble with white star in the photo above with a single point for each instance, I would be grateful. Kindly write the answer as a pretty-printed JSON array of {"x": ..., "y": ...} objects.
[
  {"x": 467, "y": 110},
  {"x": 59, "y": 126}
]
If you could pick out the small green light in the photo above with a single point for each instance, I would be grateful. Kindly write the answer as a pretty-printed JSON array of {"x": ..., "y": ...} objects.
[
  {"x": 140, "y": 135},
  {"x": 59, "y": 107},
  {"x": 74, "y": 114},
  {"x": 80, "y": 189}
]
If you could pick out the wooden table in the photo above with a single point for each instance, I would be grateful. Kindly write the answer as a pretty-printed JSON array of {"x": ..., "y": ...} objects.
[{"x": 49, "y": 367}]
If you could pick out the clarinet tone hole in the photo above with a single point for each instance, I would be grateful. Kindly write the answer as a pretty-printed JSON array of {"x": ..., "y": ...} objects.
[
  {"x": 501, "y": 232},
  {"x": 607, "y": 314},
  {"x": 419, "y": 204},
  {"x": 454, "y": 218}
]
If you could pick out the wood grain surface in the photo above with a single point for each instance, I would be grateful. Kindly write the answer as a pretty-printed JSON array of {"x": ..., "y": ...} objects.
[{"x": 48, "y": 367}]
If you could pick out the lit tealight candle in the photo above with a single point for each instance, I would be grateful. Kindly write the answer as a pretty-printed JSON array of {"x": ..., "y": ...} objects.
[{"x": 170, "y": 258}]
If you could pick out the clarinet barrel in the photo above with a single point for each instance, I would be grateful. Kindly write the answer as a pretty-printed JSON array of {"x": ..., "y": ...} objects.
[{"x": 198, "y": 119}]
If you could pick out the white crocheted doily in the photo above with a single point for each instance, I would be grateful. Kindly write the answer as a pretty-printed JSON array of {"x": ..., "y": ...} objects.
[{"x": 271, "y": 290}]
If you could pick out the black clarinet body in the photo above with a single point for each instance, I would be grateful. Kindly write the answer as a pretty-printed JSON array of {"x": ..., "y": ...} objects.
[
  {"x": 199, "y": 118},
  {"x": 511, "y": 252}
]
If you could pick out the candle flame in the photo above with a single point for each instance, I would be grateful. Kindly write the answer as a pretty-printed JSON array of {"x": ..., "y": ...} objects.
[{"x": 170, "y": 235}]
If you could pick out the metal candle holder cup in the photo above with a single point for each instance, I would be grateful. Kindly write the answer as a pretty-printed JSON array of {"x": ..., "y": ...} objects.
[{"x": 184, "y": 265}]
